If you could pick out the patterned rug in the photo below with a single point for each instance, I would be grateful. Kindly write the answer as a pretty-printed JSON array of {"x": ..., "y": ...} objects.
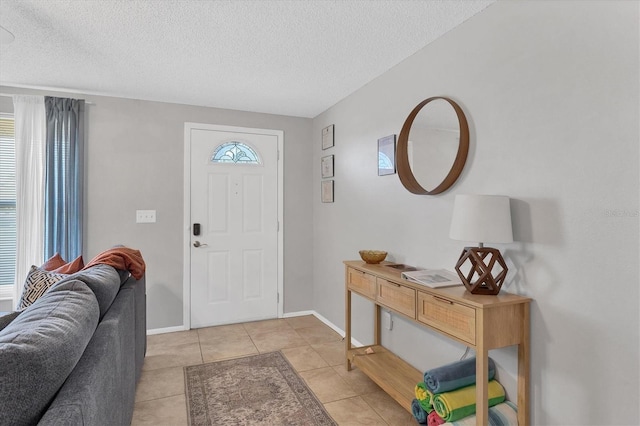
[{"x": 259, "y": 389}]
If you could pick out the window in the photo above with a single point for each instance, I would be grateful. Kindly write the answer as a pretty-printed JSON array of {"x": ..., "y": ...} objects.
[
  {"x": 235, "y": 152},
  {"x": 7, "y": 205}
]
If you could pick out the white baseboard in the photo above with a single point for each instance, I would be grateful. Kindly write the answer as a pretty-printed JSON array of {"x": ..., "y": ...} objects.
[
  {"x": 328, "y": 323},
  {"x": 165, "y": 330},
  {"x": 297, "y": 314}
]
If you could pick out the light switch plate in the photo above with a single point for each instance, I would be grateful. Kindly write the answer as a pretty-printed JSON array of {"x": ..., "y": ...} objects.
[{"x": 145, "y": 216}]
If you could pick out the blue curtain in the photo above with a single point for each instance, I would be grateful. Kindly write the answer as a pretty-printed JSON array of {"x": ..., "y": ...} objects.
[{"x": 64, "y": 177}]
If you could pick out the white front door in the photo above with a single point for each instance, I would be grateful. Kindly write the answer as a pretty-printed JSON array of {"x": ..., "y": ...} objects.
[{"x": 233, "y": 224}]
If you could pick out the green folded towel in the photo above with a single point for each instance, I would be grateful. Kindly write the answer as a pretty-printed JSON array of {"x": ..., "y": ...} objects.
[
  {"x": 424, "y": 397},
  {"x": 459, "y": 403}
]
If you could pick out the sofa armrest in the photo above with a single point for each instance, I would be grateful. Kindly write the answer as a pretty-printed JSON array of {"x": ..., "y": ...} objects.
[
  {"x": 139, "y": 289},
  {"x": 101, "y": 388}
]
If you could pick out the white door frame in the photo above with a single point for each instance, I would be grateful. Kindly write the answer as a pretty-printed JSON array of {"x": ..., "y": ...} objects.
[{"x": 186, "y": 270}]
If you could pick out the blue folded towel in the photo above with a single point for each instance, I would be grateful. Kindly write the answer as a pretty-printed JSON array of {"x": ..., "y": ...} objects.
[
  {"x": 455, "y": 375},
  {"x": 418, "y": 412}
]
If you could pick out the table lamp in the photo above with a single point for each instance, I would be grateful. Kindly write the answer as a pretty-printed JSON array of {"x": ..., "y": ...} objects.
[{"x": 483, "y": 219}]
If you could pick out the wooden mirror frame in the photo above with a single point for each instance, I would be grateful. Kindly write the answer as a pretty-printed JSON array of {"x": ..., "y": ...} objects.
[{"x": 402, "y": 153}]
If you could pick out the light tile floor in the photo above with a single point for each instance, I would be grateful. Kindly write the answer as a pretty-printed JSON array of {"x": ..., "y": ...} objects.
[{"x": 314, "y": 350}]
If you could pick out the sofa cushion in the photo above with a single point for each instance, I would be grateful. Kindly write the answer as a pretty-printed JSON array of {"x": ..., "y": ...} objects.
[
  {"x": 103, "y": 280},
  {"x": 7, "y": 317},
  {"x": 40, "y": 348},
  {"x": 37, "y": 283}
]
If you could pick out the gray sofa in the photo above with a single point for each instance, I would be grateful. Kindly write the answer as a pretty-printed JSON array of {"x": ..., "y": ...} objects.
[{"x": 74, "y": 357}]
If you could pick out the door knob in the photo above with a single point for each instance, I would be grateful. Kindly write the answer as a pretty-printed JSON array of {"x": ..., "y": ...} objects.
[{"x": 197, "y": 244}]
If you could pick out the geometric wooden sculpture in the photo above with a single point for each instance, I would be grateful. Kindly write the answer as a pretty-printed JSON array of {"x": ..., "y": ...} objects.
[{"x": 480, "y": 262}]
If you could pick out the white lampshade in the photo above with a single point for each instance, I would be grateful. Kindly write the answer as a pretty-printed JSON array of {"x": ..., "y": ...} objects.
[{"x": 481, "y": 219}]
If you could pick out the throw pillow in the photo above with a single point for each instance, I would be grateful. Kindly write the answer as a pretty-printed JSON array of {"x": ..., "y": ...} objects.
[
  {"x": 54, "y": 262},
  {"x": 37, "y": 283},
  {"x": 71, "y": 267}
]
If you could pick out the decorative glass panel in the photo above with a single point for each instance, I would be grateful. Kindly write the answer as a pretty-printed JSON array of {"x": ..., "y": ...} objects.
[
  {"x": 384, "y": 162},
  {"x": 235, "y": 152}
]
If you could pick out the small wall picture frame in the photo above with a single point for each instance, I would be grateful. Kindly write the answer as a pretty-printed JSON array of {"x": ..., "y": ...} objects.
[
  {"x": 327, "y": 166},
  {"x": 387, "y": 155},
  {"x": 327, "y": 137},
  {"x": 327, "y": 191}
]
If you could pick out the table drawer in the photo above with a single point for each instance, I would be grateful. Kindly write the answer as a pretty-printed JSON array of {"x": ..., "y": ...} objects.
[
  {"x": 397, "y": 297},
  {"x": 447, "y": 316},
  {"x": 362, "y": 283}
]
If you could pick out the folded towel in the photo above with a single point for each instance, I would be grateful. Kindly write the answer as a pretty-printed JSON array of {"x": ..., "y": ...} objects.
[
  {"x": 418, "y": 413},
  {"x": 424, "y": 396},
  {"x": 433, "y": 419},
  {"x": 459, "y": 403},
  {"x": 455, "y": 375},
  {"x": 505, "y": 414}
]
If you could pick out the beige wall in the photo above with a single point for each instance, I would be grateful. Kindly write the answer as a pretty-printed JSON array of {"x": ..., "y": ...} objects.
[
  {"x": 551, "y": 93},
  {"x": 134, "y": 160}
]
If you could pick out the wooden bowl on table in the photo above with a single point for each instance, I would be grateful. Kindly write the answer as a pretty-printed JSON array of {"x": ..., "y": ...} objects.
[{"x": 373, "y": 256}]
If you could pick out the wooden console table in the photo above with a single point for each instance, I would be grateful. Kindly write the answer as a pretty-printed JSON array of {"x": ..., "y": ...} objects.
[{"x": 478, "y": 321}]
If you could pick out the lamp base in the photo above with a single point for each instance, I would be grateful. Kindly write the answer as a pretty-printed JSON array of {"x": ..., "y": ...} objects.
[{"x": 482, "y": 261}]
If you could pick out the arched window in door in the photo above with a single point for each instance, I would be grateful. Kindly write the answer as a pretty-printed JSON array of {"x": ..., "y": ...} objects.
[{"x": 235, "y": 152}]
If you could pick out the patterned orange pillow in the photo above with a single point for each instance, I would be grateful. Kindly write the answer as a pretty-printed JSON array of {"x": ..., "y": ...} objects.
[
  {"x": 71, "y": 267},
  {"x": 56, "y": 261}
]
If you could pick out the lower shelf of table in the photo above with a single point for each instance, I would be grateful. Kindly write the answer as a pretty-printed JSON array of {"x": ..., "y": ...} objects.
[{"x": 395, "y": 376}]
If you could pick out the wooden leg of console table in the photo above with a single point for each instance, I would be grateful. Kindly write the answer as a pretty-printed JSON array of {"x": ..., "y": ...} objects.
[
  {"x": 376, "y": 325},
  {"x": 482, "y": 397},
  {"x": 523, "y": 370},
  {"x": 347, "y": 327}
]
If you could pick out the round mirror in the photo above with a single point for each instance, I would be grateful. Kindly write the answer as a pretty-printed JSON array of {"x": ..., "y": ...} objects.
[{"x": 432, "y": 146}]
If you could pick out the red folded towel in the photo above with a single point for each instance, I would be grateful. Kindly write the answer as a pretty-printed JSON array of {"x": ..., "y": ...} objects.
[
  {"x": 122, "y": 258},
  {"x": 433, "y": 419}
]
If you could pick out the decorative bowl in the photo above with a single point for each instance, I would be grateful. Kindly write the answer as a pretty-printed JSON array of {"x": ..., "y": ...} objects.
[{"x": 373, "y": 256}]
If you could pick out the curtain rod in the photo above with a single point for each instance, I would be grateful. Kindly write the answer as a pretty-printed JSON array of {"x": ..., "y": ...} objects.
[{"x": 9, "y": 95}]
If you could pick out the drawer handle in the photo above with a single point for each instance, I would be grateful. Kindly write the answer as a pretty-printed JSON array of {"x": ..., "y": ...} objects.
[
  {"x": 439, "y": 299},
  {"x": 396, "y": 284}
]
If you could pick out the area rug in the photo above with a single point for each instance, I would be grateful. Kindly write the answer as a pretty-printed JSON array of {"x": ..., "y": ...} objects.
[{"x": 254, "y": 390}]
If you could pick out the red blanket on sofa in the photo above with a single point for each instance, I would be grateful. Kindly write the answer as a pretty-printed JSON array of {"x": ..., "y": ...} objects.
[{"x": 121, "y": 258}]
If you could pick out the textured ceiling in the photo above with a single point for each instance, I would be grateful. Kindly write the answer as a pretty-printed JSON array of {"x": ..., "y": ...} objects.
[{"x": 291, "y": 57}]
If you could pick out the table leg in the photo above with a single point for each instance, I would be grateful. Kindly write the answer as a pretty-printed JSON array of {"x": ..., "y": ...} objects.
[
  {"x": 482, "y": 396},
  {"x": 347, "y": 328},
  {"x": 523, "y": 370},
  {"x": 376, "y": 324}
]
